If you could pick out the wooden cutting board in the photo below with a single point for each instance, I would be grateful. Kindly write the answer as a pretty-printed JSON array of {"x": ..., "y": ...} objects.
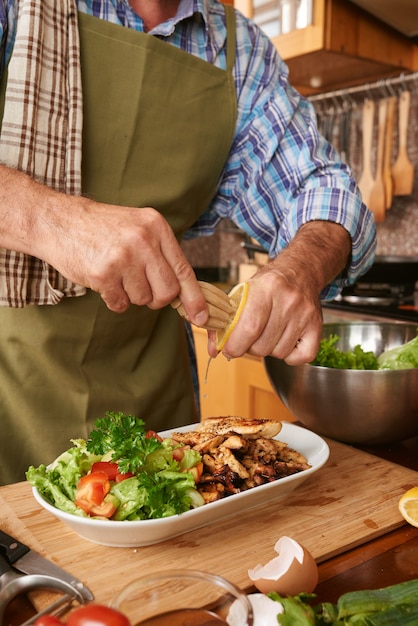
[{"x": 351, "y": 500}]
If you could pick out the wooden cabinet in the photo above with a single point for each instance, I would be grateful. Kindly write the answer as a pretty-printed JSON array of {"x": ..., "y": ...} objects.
[
  {"x": 238, "y": 387},
  {"x": 343, "y": 46}
]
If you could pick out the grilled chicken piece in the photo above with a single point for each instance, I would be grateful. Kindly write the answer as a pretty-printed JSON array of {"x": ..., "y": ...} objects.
[
  {"x": 227, "y": 458},
  {"x": 251, "y": 428},
  {"x": 235, "y": 442},
  {"x": 202, "y": 442}
]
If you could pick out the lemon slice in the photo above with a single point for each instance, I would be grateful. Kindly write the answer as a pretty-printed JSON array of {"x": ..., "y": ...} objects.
[
  {"x": 408, "y": 506},
  {"x": 238, "y": 297}
]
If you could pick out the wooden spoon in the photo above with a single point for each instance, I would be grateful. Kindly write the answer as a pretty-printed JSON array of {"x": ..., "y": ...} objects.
[
  {"x": 387, "y": 164},
  {"x": 403, "y": 170},
  {"x": 377, "y": 202},
  {"x": 366, "y": 181}
]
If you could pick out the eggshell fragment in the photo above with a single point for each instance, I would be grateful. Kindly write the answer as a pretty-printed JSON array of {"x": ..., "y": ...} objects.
[
  {"x": 292, "y": 572},
  {"x": 265, "y": 610}
]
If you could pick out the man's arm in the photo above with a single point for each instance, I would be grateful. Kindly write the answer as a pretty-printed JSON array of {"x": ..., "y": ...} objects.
[
  {"x": 126, "y": 254},
  {"x": 282, "y": 316}
]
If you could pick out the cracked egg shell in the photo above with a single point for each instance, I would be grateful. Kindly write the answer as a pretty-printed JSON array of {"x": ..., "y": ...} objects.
[{"x": 293, "y": 571}]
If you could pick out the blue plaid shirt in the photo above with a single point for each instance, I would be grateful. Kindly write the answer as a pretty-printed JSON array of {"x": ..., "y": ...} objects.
[{"x": 280, "y": 172}]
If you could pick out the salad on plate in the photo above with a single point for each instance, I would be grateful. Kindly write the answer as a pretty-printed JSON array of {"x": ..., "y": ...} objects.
[{"x": 121, "y": 472}]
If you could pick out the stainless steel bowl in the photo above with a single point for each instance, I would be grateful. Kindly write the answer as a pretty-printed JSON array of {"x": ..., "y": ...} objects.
[{"x": 354, "y": 406}]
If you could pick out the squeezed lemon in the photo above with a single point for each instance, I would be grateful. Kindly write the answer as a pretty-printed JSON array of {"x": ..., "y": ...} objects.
[{"x": 238, "y": 297}]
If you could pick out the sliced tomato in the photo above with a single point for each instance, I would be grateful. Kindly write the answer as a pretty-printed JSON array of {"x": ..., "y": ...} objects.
[
  {"x": 108, "y": 467},
  {"x": 91, "y": 490},
  {"x": 197, "y": 471},
  {"x": 111, "y": 469},
  {"x": 105, "y": 508},
  {"x": 152, "y": 433},
  {"x": 120, "y": 477},
  {"x": 178, "y": 454}
]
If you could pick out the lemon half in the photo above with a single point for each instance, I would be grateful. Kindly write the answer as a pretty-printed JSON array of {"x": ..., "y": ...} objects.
[
  {"x": 408, "y": 506},
  {"x": 238, "y": 297}
]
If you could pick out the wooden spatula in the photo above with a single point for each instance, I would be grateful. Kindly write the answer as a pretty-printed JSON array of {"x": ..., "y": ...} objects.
[
  {"x": 366, "y": 180},
  {"x": 403, "y": 170},
  {"x": 377, "y": 203},
  {"x": 387, "y": 161}
]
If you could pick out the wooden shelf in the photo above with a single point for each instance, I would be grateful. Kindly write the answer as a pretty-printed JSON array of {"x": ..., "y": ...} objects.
[{"x": 343, "y": 46}]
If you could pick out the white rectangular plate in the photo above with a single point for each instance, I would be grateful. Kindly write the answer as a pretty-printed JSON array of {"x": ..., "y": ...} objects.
[{"x": 147, "y": 532}]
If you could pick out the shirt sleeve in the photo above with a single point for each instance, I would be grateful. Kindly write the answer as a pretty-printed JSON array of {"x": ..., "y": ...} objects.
[
  {"x": 281, "y": 173},
  {"x": 8, "y": 19}
]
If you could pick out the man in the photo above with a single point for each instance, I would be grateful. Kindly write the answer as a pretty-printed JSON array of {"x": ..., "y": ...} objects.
[{"x": 187, "y": 118}]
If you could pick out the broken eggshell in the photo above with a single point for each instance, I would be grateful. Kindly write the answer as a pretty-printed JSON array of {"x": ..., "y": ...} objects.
[{"x": 293, "y": 571}]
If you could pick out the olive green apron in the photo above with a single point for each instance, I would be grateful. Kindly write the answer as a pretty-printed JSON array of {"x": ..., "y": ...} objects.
[{"x": 158, "y": 125}]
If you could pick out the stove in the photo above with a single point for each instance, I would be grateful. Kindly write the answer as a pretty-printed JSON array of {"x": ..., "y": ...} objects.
[{"x": 389, "y": 289}]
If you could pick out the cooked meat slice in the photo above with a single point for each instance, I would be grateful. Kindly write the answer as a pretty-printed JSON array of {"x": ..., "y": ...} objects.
[
  {"x": 198, "y": 440},
  {"x": 227, "y": 457},
  {"x": 224, "y": 476},
  {"x": 212, "y": 463},
  {"x": 211, "y": 491},
  {"x": 248, "y": 427},
  {"x": 289, "y": 455},
  {"x": 235, "y": 442}
]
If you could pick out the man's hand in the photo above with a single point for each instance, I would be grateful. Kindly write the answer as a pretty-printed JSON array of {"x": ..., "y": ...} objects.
[
  {"x": 128, "y": 255},
  {"x": 282, "y": 316}
]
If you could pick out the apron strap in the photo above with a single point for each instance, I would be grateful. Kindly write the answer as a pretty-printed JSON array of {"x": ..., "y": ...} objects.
[{"x": 231, "y": 37}]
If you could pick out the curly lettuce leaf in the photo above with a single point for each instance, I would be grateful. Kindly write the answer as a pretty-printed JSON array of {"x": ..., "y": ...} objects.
[
  {"x": 401, "y": 357},
  {"x": 330, "y": 356}
]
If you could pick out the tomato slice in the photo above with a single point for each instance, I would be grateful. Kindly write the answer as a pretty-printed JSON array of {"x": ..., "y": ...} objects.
[
  {"x": 120, "y": 477},
  {"x": 152, "y": 433},
  {"x": 111, "y": 469},
  {"x": 108, "y": 467},
  {"x": 105, "y": 508},
  {"x": 91, "y": 490}
]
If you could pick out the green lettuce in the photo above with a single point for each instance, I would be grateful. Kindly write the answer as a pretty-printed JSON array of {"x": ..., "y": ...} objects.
[
  {"x": 401, "y": 357},
  {"x": 330, "y": 356},
  {"x": 160, "y": 486}
]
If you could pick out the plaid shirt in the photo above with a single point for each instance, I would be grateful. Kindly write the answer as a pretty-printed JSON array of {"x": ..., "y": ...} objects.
[{"x": 280, "y": 173}]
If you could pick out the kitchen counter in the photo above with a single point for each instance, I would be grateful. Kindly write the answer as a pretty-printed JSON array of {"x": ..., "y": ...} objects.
[{"x": 346, "y": 515}]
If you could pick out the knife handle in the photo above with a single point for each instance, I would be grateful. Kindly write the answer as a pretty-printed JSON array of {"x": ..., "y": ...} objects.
[
  {"x": 11, "y": 548},
  {"x": 5, "y": 567}
]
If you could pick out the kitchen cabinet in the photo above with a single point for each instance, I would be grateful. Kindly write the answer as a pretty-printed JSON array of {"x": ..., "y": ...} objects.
[
  {"x": 238, "y": 387},
  {"x": 344, "y": 45}
]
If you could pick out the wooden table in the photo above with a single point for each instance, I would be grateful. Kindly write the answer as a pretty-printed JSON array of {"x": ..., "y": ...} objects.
[{"x": 346, "y": 515}]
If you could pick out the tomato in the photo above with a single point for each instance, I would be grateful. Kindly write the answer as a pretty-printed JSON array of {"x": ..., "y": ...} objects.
[
  {"x": 48, "y": 620},
  {"x": 92, "y": 495},
  {"x": 111, "y": 469},
  {"x": 178, "y": 454},
  {"x": 120, "y": 477},
  {"x": 152, "y": 433},
  {"x": 197, "y": 471},
  {"x": 96, "y": 615},
  {"x": 92, "y": 488},
  {"x": 108, "y": 467}
]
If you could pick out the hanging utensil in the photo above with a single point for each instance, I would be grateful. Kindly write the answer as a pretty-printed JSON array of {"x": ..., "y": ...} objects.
[
  {"x": 344, "y": 133},
  {"x": 403, "y": 169},
  {"x": 377, "y": 203},
  {"x": 387, "y": 164},
  {"x": 366, "y": 180}
]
